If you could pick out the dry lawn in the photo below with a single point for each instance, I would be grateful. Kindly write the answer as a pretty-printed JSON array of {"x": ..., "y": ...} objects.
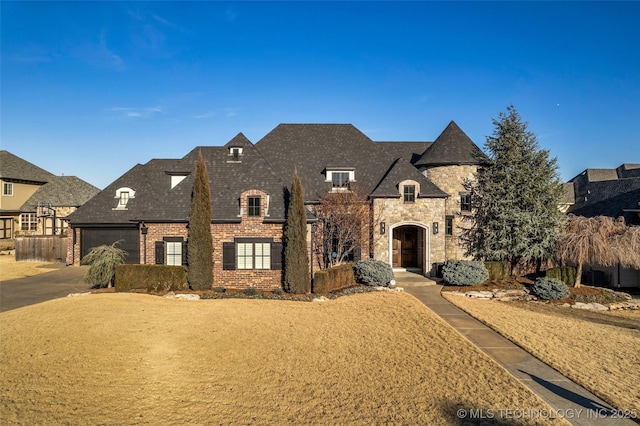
[
  {"x": 375, "y": 358},
  {"x": 598, "y": 350},
  {"x": 10, "y": 269}
]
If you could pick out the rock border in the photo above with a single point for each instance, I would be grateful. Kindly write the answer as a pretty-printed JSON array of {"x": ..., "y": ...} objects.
[{"x": 524, "y": 296}]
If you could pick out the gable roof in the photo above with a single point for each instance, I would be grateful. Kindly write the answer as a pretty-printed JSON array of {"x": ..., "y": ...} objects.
[
  {"x": 61, "y": 191},
  {"x": 452, "y": 147},
  {"x": 399, "y": 171},
  {"x": 156, "y": 201},
  {"x": 13, "y": 167}
]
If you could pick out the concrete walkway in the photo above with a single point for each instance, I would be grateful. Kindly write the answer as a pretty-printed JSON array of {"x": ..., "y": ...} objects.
[{"x": 576, "y": 404}]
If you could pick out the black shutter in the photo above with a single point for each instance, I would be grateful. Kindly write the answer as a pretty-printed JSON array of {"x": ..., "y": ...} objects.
[
  {"x": 357, "y": 254},
  {"x": 276, "y": 256},
  {"x": 159, "y": 252},
  {"x": 185, "y": 261},
  {"x": 228, "y": 256}
]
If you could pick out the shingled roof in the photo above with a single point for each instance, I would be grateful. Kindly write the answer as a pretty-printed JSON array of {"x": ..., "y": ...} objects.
[
  {"x": 452, "y": 147},
  {"x": 410, "y": 151},
  {"x": 61, "y": 191},
  {"x": 156, "y": 201},
  {"x": 312, "y": 148},
  {"x": 399, "y": 171},
  {"x": 14, "y": 168}
]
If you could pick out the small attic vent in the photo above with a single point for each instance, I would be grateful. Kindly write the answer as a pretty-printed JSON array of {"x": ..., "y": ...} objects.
[
  {"x": 176, "y": 179},
  {"x": 235, "y": 152}
]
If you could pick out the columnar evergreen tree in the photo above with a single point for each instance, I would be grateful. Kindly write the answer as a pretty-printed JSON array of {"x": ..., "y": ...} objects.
[
  {"x": 296, "y": 257},
  {"x": 515, "y": 198},
  {"x": 200, "y": 242}
]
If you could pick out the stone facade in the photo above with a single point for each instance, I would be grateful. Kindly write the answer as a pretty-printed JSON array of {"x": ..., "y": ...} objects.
[
  {"x": 423, "y": 213},
  {"x": 450, "y": 179}
]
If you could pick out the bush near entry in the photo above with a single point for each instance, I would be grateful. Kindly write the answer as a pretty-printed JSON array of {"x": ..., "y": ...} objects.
[
  {"x": 373, "y": 272},
  {"x": 464, "y": 272},
  {"x": 151, "y": 278},
  {"x": 549, "y": 289}
]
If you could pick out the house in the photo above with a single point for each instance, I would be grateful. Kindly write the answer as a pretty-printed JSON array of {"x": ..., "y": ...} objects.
[
  {"x": 607, "y": 192},
  {"x": 34, "y": 201},
  {"x": 415, "y": 190}
]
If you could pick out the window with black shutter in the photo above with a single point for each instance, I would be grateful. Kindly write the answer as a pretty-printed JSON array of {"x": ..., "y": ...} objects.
[{"x": 228, "y": 256}]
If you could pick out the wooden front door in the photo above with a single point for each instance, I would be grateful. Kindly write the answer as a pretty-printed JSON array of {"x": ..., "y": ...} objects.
[{"x": 405, "y": 247}]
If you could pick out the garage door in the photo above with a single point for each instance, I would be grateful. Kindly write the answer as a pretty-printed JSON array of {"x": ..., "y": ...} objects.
[{"x": 129, "y": 241}]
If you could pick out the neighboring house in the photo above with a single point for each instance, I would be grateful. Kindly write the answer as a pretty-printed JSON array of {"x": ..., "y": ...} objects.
[
  {"x": 607, "y": 192},
  {"x": 415, "y": 189},
  {"x": 34, "y": 201}
]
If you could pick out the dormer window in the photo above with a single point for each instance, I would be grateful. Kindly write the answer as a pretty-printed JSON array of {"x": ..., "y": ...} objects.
[
  {"x": 235, "y": 152},
  {"x": 340, "y": 178},
  {"x": 124, "y": 195},
  {"x": 176, "y": 179},
  {"x": 124, "y": 198},
  {"x": 253, "y": 206},
  {"x": 409, "y": 195}
]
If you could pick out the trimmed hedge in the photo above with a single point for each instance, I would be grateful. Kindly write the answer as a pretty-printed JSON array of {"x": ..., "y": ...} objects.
[
  {"x": 373, "y": 272},
  {"x": 549, "y": 289},
  {"x": 498, "y": 270},
  {"x": 464, "y": 272},
  {"x": 337, "y": 278},
  {"x": 151, "y": 278},
  {"x": 566, "y": 274}
]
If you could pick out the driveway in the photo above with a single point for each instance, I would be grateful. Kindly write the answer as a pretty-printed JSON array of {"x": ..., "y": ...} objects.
[{"x": 40, "y": 288}]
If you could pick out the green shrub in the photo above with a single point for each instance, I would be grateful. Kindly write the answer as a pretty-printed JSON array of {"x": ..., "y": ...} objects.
[
  {"x": 566, "y": 274},
  {"x": 337, "y": 278},
  {"x": 250, "y": 291},
  {"x": 219, "y": 289},
  {"x": 151, "y": 277},
  {"x": 373, "y": 272},
  {"x": 103, "y": 261},
  {"x": 464, "y": 272},
  {"x": 549, "y": 289},
  {"x": 498, "y": 270}
]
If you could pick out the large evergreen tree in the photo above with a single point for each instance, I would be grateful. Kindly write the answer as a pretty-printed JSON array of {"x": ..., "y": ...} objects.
[
  {"x": 200, "y": 242},
  {"x": 515, "y": 198},
  {"x": 296, "y": 257}
]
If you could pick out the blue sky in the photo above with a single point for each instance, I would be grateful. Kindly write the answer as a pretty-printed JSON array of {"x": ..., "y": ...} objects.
[{"x": 92, "y": 88}]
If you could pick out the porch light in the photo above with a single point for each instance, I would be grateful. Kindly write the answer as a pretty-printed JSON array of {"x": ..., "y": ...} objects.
[
  {"x": 435, "y": 228},
  {"x": 383, "y": 228}
]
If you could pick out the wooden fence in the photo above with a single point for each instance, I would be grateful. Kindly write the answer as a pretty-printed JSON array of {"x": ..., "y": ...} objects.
[{"x": 41, "y": 249}]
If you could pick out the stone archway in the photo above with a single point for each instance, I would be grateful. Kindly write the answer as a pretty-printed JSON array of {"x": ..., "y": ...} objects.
[{"x": 408, "y": 246}]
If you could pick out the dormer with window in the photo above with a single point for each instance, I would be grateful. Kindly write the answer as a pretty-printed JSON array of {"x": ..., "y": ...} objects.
[
  {"x": 235, "y": 154},
  {"x": 409, "y": 191},
  {"x": 254, "y": 204},
  {"x": 340, "y": 177},
  {"x": 123, "y": 195}
]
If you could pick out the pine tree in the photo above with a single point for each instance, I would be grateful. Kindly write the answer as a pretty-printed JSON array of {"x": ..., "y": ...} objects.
[
  {"x": 514, "y": 198},
  {"x": 296, "y": 257},
  {"x": 200, "y": 243}
]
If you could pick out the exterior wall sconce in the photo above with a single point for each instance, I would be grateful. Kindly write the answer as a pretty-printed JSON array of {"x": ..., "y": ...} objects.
[
  {"x": 435, "y": 228},
  {"x": 144, "y": 230},
  {"x": 383, "y": 228}
]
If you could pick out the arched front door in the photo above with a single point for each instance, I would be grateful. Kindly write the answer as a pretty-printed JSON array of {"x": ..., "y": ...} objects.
[{"x": 408, "y": 247}]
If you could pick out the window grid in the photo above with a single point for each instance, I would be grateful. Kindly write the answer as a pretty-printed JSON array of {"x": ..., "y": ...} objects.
[
  {"x": 254, "y": 255},
  {"x": 174, "y": 253},
  {"x": 449, "y": 225},
  {"x": 254, "y": 206},
  {"x": 7, "y": 189},
  {"x": 465, "y": 202},
  {"x": 124, "y": 198},
  {"x": 409, "y": 193},
  {"x": 28, "y": 222},
  {"x": 340, "y": 179}
]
